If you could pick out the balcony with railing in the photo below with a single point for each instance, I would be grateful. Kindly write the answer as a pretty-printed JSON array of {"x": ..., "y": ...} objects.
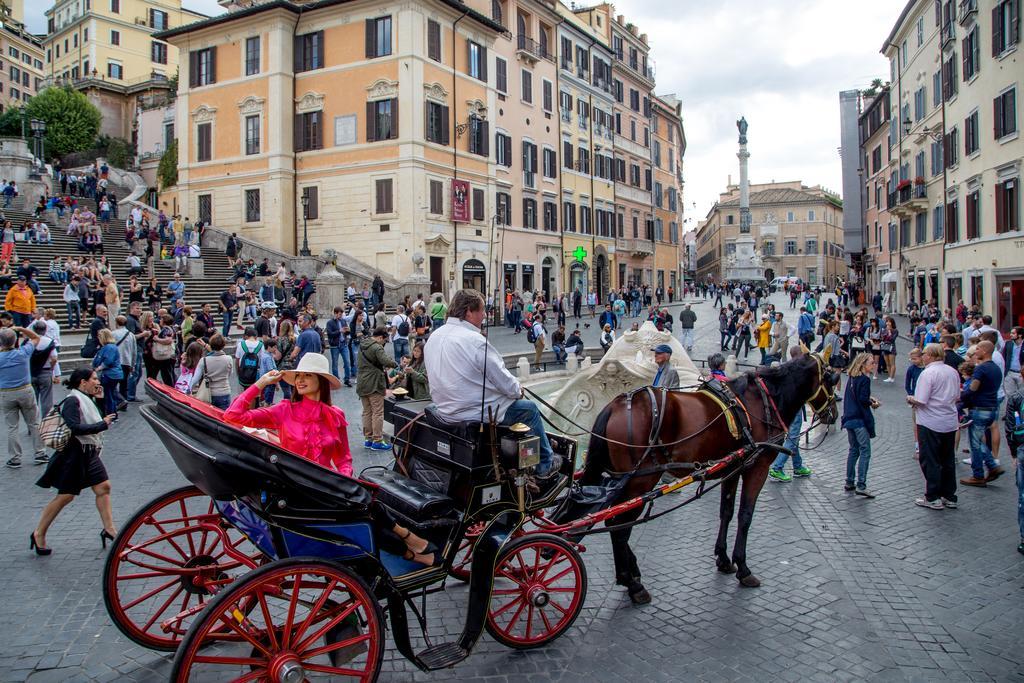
[
  {"x": 968, "y": 8},
  {"x": 532, "y": 50},
  {"x": 636, "y": 247},
  {"x": 911, "y": 200},
  {"x": 566, "y": 116},
  {"x": 948, "y": 35}
]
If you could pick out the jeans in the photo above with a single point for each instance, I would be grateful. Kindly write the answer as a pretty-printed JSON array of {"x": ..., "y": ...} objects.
[
  {"x": 21, "y": 319},
  {"x": 226, "y": 327},
  {"x": 859, "y": 456},
  {"x": 74, "y": 313},
  {"x": 335, "y": 352},
  {"x": 1020, "y": 493},
  {"x": 560, "y": 354},
  {"x": 981, "y": 454},
  {"x": 792, "y": 443},
  {"x": 131, "y": 388},
  {"x": 401, "y": 348},
  {"x": 111, "y": 395},
  {"x": 687, "y": 338},
  {"x": 222, "y": 402},
  {"x": 526, "y": 412}
]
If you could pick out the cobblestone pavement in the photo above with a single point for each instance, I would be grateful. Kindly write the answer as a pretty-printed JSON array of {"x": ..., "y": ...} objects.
[{"x": 854, "y": 589}]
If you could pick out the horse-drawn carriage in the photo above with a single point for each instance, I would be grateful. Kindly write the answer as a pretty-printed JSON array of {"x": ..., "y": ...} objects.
[{"x": 271, "y": 567}]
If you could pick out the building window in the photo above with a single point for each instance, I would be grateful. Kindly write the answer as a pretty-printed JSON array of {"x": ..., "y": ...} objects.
[
  {"x": 527, "y": 83},
  {"x": 158, "y": 19},
  {"x": 972, "y": 217},
  {"x": 436, "y": 197},
  {"x": 434, "y": 40},
  {"x": 971, "y": 141},
  {"x": 115, "y": 71},
  {"x": 382, "y": 120},
  {"x": 202, "y": 69},
  {"x": 115, "y": 38},
  {"x": 567, "y": 154},
  {"x": 477, "y": 60},
  {"x": 479, "y": 208},
  {"x": 530, "y": 213},
  {"x": 812, "y": 246},
  {"x": 529, "y": 164},
  {"x": 206, "y": 208},
  {"x": 953, "y": 221},
  {"x": 311, "y": 206},
  {"x": 168, "y": 134},
  {"x": 547, "y": 101},
  {"x": 115, "y": 6},
  {"x": 252, "y": 134},
  {"x": 503, "y": 150},
  {"x": 550, "y": 217},
  {"x": 503, "y": 204},
  {"x": 1005, "y": 112},
  {"x": 478, "y": 136},
  {"x": 204, "y": 142},
  {"x": 378, "y": 37},
  {"x": 810, "y": 215},
  {"x": 921, "y": 228},
  {"x": 384, "y": 201},
  {"x": 568, "y": 217},
  {"x": 583, "y": 160},
  {"x": 938, "y": 222},
  {"x": 252, "y": 206},
  {"x": 768, "y": 248},
  {"x": 252, "y": 55},
  {"x": 949, "y": 78},
  {"x": 1008, "y": 205},
  {"x": 1005, "y": 26},
  {"x": 501, "y": 78},
  {"x": 158, "y": 52},
  {"x": 309, "y": 51},
  {"x": 972, "y": 54},
  {"x": 951, "y": 148},
  {"x": 550, "y": 163},
  {"x": 437, "y": 123},
  {"x": 585, "y": 225},
  {"x": 789, "y": 247},
  {"x": 309, "y": 131}
]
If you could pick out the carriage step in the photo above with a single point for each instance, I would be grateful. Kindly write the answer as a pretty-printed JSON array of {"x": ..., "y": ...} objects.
[{"x": 442, "y": 656}]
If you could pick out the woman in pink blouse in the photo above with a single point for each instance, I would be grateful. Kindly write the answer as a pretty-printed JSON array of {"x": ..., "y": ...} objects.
[{"x": 309, "y": 426}]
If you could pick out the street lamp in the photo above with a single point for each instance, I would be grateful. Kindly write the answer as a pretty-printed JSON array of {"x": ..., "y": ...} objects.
[
  {"x": 305, "y": 237},
  {"x": 38, "y": 129}
]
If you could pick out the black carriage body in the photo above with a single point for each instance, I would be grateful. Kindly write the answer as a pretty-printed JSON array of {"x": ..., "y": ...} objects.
[{"x": 465, "y": 461}]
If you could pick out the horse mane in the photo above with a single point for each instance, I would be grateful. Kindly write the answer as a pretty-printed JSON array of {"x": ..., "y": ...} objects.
[{"x": 788, "y": 388}]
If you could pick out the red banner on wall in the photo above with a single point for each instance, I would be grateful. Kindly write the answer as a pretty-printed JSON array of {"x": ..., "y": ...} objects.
[{"x": 460, "y": 201}]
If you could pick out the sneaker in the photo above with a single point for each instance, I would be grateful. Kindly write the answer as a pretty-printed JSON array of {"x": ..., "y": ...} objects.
[
  {"x": 380, "y": 446},
  {"x": 951, "y": 504},
  {"x": 802, "y": 472},
  {"x": 779, "y": 475},
  {"x": 368, "y": 443},
  {"x": 1020, "y": 547},
  {"x": 849, "y": 487},
  {"x": 41, "y": 459},
  {"x": 888, "y": 379},
  {"x": 930, "y": 504},
  {"x": 994, "y": 473},
  {"x": 974, "y": 481},
  {"x": 865, "y": 493},
  {"x": 14, "y": 463}
]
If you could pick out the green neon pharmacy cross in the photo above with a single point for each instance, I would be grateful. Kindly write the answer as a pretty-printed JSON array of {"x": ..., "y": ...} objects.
[{"x": 579, "y": 253}]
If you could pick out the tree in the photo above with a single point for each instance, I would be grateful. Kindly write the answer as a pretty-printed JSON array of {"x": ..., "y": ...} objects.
[
  {"x": 167, "y": 171},
  {"x": 72, "y": 121},
  {"x": 11, "y": 122}
]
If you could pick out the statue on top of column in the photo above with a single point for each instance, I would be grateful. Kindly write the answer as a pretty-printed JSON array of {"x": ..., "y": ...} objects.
[{"x": 742, "y": 126}]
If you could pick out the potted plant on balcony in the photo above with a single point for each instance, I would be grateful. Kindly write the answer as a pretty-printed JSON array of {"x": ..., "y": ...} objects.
[
  {"x": 919, "y": 180},
  {"x": 903, "y": 184}
]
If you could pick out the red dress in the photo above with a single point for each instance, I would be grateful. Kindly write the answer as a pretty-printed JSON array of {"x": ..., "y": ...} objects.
[{"x": 311, "y": 429}]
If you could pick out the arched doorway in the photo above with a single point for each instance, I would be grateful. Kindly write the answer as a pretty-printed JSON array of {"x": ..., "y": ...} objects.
[
  {"x": 474, "y": 275},
  {"x": 601, "y": 276},
  {"x": 547, "y": 277},
  {"x": 578, "y": 278}
]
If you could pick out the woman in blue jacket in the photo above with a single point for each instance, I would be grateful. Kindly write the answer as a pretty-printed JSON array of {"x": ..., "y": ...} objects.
[
  {"x": 107, "y": 362},
  {"x": 859, "y": 422}
]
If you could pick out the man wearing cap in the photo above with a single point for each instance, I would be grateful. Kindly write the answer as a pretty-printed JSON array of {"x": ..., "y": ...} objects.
[
  {"x": 21, "y": 302},
  {"x": 666, "y": 376},
  {"x": 266, "y": 324}
]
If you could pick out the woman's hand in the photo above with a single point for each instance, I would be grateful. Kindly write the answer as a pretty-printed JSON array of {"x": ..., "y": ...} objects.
[
  {"x": 272, "y": 377},
  {"x": 109, "y": 418}
]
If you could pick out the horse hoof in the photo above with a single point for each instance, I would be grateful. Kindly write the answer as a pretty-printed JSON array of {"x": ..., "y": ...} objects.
[
  {"x": 750, "y": 581},
  {"x": 727, "y": 568},
  {"x": 640, "y": 596}
]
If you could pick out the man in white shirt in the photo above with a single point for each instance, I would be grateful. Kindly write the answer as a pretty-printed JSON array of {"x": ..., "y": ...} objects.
[
  {"x": 540, "y": 337},
  {"x": 126, "y": 351},
  {"x": 400, "y": 327},
  {"x": 935, "y": 397},
  {"x": 468, "y": 376}
]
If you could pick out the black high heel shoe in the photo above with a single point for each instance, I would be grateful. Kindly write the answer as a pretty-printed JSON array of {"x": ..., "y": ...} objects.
[
  {"x": 32, "y": 545},
  {"x": 104, "y": 537}
]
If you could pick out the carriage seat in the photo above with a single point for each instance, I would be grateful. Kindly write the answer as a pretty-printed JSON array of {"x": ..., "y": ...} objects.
[
  {"x": 407, "y": 497},
  {"x": 467, "y": 431}
]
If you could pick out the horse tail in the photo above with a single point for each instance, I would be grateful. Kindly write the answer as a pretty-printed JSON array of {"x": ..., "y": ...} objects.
[{"x": 597, "y": 454}]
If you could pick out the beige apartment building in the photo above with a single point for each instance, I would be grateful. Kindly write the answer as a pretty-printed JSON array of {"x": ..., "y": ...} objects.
[
  {"x": 798, "y": 232},
  {"x": 378, "y": 116},
  {"x": 668, "y": 144},
  {"x": 21, "y": 63},
  {"x": 880, "y": 258}
]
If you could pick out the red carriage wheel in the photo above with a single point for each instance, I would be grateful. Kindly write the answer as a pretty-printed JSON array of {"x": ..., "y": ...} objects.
[
  {"x": 166, "y": 562},
  {"x": 464, "y": 557},
  {"x": 540, "y": 584},
  {"x": 310, "y": 620}
]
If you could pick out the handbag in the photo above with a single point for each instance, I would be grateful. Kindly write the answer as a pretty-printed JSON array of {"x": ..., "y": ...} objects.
[
  {"x": 202, "y": 392},
  {"x": 53, "y": 430},
  {"x": 163, "y": 351}
]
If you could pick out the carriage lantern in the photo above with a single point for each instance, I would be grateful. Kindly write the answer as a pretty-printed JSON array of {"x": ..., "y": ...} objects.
[{"x": 520, "y": 447}]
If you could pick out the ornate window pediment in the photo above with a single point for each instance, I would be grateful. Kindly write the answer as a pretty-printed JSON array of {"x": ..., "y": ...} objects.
[
  {"x": 477, "y": 108},
  {"x": 382, "y": 89},
  {"x": 311, "y": 101},
  {"x": 204, "y": 113},
  {"x": 436, "y": 92},
  {"x": 251, "y": 105}
]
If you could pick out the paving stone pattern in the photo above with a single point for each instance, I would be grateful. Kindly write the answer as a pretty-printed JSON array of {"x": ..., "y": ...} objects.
[{"x": 853, "y": 589}]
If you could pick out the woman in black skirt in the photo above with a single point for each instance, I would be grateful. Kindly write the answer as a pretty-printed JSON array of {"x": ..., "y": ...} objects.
[{"x": 78, "y": 466}]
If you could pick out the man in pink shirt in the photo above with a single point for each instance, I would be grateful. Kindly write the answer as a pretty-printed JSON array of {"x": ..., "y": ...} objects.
[{"x": 935, "y": 397}]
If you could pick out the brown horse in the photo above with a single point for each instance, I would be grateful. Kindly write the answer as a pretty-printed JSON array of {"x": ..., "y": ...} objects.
[{"x": 693, "y": 428}]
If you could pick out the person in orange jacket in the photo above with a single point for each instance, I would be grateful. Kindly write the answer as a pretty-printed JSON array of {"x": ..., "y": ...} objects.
[{"x": 21, "y": 302}]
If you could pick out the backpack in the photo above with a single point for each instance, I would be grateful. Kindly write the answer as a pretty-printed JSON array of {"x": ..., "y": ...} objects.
[
  {"x": 38, "y": 359},
  {"x": 531, "y": 336},
  {"x": 403, "y": 327},
  {"x": 249, "y": 365}
]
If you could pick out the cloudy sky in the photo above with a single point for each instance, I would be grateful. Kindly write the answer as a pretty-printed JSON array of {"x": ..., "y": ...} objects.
[{"x": 780, "y": 63}]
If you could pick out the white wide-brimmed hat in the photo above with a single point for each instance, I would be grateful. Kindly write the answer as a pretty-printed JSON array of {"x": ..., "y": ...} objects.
[{"x": 316, "y": 364}]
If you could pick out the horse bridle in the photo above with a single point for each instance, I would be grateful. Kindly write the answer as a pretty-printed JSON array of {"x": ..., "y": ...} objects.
[{"x": 824, "y": 388}]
